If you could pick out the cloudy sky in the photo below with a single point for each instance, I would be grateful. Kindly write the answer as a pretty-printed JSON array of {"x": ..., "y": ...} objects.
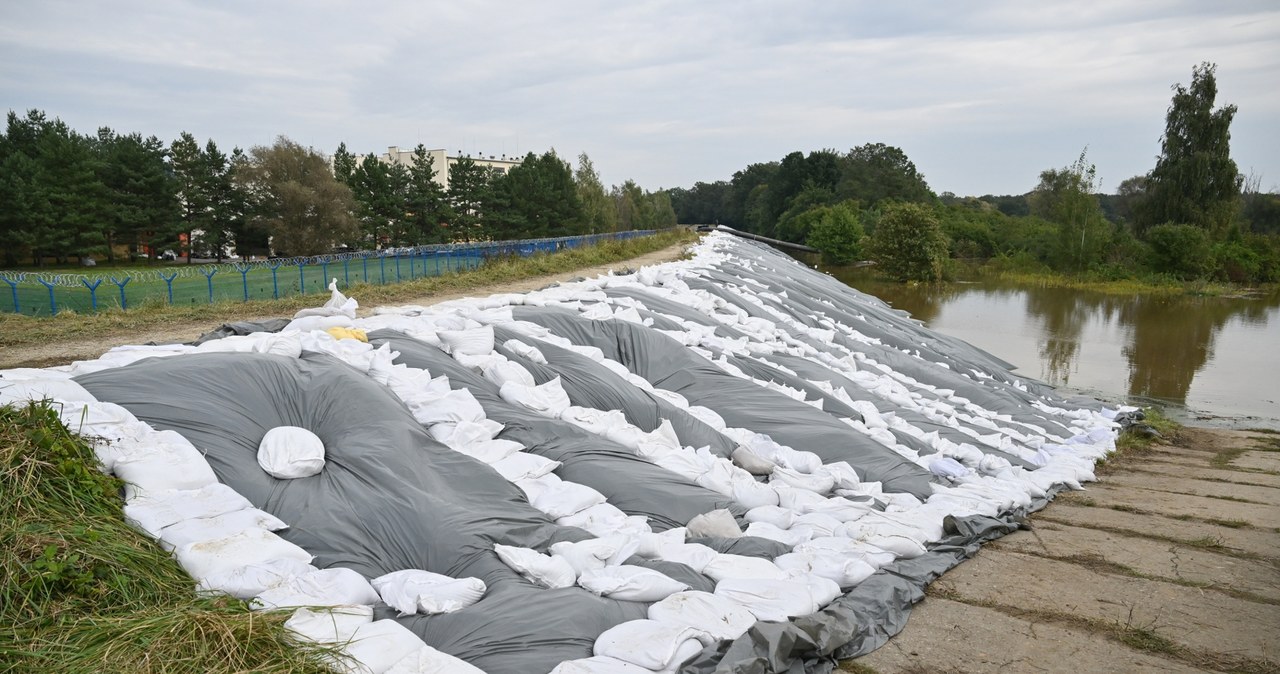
[{"x": 981, "y": 95}]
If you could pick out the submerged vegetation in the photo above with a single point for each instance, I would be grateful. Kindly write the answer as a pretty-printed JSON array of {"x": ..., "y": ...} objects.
[{"x": 83, "y": 592}]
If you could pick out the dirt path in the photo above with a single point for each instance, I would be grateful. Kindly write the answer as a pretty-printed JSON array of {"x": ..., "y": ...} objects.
[
  {"x": 1170, "y": 564},
  {"x": 63, "y": 352}
]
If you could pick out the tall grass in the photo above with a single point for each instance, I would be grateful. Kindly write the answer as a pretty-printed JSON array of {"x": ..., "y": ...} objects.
[{"x": 81, "y": 591}]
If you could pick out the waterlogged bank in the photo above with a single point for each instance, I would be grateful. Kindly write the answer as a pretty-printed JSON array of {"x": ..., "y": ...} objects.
[{"x": 1210, "y": 357}]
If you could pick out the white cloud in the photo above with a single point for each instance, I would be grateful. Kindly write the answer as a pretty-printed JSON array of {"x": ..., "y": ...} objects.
[{"x": 981, "y": 95}]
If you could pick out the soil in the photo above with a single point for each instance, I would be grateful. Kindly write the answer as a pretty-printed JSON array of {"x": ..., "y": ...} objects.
[
  {"x": 65, "y": 352},
  {"x": 1170, "y": 563}
]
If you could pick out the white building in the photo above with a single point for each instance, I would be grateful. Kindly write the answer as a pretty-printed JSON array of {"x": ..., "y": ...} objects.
[{"x": 442, "y": 162}]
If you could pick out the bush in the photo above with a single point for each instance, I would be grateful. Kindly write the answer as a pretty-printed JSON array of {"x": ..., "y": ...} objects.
[
  {"x": 836, "y": 232},
  {"x": 1236, "y": 262},
  {"x": 909, "y": 244},
  {"x": 1181, "y": 250}
]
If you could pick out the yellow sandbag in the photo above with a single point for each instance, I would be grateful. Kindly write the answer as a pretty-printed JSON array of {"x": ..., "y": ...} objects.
[{"x": 348, "y": 333}]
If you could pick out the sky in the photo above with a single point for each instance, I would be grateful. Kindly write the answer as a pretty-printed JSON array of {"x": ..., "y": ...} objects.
[{"x": 982, "y": 96}]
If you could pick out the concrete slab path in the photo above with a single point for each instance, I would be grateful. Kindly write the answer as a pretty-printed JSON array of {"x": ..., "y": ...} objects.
[{"x": 1171, "y": 563}]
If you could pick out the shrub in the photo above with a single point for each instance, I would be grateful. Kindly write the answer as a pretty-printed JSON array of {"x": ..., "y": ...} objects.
[
  {"x": 836, "y": 231},
  {"x": 909, "y": 244},
  {"x": 1181, "y": 250}
]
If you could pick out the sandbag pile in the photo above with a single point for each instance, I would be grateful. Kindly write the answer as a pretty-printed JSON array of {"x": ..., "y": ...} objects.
[{"x": 614, "y": 475}]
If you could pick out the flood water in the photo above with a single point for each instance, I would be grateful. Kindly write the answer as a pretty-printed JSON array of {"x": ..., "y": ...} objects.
[{"x": 1211, "y": 359}]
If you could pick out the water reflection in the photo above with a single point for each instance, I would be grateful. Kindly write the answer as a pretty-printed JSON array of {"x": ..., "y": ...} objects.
[{"x": 1167, "y": 345}]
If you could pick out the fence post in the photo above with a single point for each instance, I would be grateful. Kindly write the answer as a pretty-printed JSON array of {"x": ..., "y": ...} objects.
[
  {"x": 53, "y": 302},
  {"x": 346, "y": 272},
  {"x": 364, "y": 257},
  {"x": 124, "y": 301},
  {"x": 382, "y": 267},
  {"x": 302, "y": 280},
  {"x": 13, "y": 287},
  {"x": 93, "y": 292},
  {"x": 244, "y": 279},
  {"x": 208, "y": 277},
  {"x": 397, "y": 258},
  {"x": 168, "y": 281},
  {"x": 324, "y": 270},
  {"x": 275, "y": 281}
]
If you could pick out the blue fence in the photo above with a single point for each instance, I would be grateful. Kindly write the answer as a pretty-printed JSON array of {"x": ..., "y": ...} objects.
[{"x": 45, "y": 294}]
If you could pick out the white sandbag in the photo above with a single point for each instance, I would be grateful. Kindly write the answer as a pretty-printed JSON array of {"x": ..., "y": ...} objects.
[
  {"x": 774, "y": 533},
  {"x": 153, "y": 512},
  {"x": 502, "y": 372},
  {"x": 718, "y": 616},
  {"x": 818, "y": 523},
  {"x": 490, "y": 451},
  {"x": 799, "y": 500},
  {"x": 693, "y": 555},
  {"x": 44, "y": 388},
  {"x": 203, "y": 529},
  {"x": 247, "y": 547},
  {"x": 379, "y": 646},
  {"x": 251, "y": 580},
  {"x": 749, "y": 493},
  {"x": 545, "y": 570},
  {"x": 630, "y": 583},
  {"x": 548, "y": 399},
  {"x": 566, "y": 498},
  {"x": 338, "y": 305},
  {"x": 727, "y": 566},
  {"x": 479, "y": 362},
  {"x": 158, "y": 471},
  {"x": 524, "y": 466},
  {"x": 656, "y": 646},
  {"x": 598, "y": 664},
  {"x": 416, "y": 591},
  {"x": 326, "y": 587},
  {"x": 817, "y": 482},
  {"x": 465, "y": 432},
  {"x": 600, "y": 422},
  {"x": 522, "y": 349},
  {"x": 843, "y": 475},
  {"x": 602, "y": 519},
  {"x": 290, "y": 452},
  {"x": 303, "y": 325},
  {"x": 427, "y": 660},
  {"x": 714, "y": 524},
  {"x": 774, "y": 600},
  {"x": 652, "y": 545},
  {"x": 751, "y": 462},
  {"x": 844, "y": 571},
  {"x": 452, "y": 408},
  {"x": 595, "y": 553},
  {"x": 707, "y": 416},
  {"x": 474, "y": 342},
  {"x": 328, "y": 625},
  {"x": 589, "y": 351},
  {"x": 777, "y": 516}
]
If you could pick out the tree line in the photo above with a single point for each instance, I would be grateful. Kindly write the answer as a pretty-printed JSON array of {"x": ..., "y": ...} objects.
[
  {"x": 67, "y": 195},
  {"x": 1193, "y": 216}
]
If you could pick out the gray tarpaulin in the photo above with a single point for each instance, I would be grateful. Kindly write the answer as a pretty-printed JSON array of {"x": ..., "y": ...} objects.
[{"x": 390, "y": 497}]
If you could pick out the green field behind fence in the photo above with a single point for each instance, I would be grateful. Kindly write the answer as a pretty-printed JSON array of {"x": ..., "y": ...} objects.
[{"x": 24, "y": 292}]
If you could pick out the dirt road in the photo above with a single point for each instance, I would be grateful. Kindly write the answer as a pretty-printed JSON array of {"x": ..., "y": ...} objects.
[
  {"x": 63, "y": 352},
  {"x": 1171, "y": 563}
]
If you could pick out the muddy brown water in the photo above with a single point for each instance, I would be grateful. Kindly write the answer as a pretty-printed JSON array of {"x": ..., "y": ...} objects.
[{"x": 1210, "y": 359}]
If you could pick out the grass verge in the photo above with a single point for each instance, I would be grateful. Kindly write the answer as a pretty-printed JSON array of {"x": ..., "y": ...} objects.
[
  {"x": 82, "y": 592},
  {"x": 16, "y": 329},
  {"x": 1151, "y": 286},
  {"x": 1131, "y": 446}
]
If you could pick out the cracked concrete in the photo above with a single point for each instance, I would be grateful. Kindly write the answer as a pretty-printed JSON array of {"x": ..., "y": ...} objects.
[{"x": 1180, "y": 578}]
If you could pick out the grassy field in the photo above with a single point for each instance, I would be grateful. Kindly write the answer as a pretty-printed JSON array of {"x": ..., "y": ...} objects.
[
  {"x": 17, "y": 329},
  {"x": 82, "y": 592}
]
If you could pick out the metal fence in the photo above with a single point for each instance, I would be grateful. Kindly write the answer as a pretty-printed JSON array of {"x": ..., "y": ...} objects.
[{"x": 45, "y": 294}]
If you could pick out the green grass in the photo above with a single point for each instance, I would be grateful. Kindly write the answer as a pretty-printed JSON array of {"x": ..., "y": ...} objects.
[
  {"x": 82, "y": 592},
  {"x": 1134, "y": 286},
  {"x": 16, "y": 329}
]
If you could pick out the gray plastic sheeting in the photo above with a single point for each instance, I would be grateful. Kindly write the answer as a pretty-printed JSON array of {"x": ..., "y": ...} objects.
[{"x": 391, "y": 497}]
